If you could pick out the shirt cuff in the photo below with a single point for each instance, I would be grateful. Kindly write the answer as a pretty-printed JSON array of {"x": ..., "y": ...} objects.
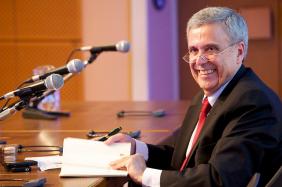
[
  {"x": 142, "y": 149},
  {"x": 151, "y": 177}
]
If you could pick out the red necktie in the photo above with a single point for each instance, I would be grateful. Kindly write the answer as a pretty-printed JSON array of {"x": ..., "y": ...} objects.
[{"x": 203, "y": 114}]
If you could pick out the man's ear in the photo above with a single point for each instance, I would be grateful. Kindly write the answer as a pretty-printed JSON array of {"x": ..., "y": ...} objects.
[{"x": 240, "y": 52}]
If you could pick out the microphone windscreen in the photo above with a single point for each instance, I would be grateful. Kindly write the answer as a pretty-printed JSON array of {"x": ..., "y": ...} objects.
[
  {"x": 54, "y": 82},
  {"x": 75, "y": 66},
  {"x": 123, "y": 46}
]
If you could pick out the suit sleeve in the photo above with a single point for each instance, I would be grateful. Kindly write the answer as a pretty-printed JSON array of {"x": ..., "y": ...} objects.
[{"x": 159, "y": 156}]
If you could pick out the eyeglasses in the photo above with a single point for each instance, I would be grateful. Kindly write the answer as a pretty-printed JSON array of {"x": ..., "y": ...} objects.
[{"x": 209, "y": 54}]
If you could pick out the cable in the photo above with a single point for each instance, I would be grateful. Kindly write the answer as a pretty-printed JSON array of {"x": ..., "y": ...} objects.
[{"x": 71, "y": 54}]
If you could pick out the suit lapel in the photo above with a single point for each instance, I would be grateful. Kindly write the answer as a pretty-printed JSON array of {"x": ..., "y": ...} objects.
[{"x": 187, "y": 128}]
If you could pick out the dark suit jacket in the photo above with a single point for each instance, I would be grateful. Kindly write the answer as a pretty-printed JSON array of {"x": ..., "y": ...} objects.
[{"x": 242, "y": 135}]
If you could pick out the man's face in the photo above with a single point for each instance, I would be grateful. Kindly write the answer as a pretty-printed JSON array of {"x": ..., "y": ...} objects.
[{"x": 211, "y": 73}]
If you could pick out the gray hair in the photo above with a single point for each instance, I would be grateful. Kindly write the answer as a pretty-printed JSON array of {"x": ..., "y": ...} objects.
[{"x": 235, "y": 25}]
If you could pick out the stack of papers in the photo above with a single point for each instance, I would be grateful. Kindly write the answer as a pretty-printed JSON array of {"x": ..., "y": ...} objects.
[{"x": 84, "y": 158}]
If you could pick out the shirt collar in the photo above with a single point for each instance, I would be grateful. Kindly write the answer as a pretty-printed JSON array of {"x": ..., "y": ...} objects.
[{"x": 212, "y": 99}]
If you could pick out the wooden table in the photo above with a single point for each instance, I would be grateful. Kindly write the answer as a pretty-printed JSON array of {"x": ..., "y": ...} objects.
[{"x": 97, "y": 116}]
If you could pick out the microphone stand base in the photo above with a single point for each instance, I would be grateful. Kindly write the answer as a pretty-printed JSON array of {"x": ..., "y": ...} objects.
[{"x": 35, "y": 113}]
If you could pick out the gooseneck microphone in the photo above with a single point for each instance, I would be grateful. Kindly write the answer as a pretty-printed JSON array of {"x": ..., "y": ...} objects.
[
  {"x": 155, "y": 113},
  {"x": 52, "y": 82},
  {"x": 73, "y": 66},
  {"x": 122, "y": 46}
]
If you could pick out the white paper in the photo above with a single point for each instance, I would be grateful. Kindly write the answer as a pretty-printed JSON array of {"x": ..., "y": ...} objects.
[
  {"x": 47, "y": 162},
  {"x": 91, "y": 158}
]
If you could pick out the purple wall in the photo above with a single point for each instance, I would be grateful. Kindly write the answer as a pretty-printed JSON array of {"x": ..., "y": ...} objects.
[{"x": 162, "y": 52}]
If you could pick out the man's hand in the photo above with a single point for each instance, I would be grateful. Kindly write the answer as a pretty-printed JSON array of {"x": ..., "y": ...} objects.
[
  {"x": 122, "y": 138},
  {"x": 135, "y": 165}
]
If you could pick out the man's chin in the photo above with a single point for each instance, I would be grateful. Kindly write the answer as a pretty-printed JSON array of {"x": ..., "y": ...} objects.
[{"x": 208, "y": 90}]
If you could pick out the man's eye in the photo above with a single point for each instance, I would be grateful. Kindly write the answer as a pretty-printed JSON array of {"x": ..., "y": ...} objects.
[
  {"x": 192, "y": 51},
  {"x": 211, "y": 49}
]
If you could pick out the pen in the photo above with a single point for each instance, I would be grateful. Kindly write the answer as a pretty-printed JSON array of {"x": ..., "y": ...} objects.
[
  {"x": 113, "y": 132},
  {"x": 21, "y": 169},
  {"x": 23, "y": 164}
]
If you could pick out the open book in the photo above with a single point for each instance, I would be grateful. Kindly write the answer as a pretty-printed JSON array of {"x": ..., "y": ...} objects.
[{"x": 86, "y": 158}]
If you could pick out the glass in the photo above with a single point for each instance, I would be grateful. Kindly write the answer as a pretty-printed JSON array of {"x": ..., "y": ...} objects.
[
  {"x": 208, "y": 55},
  {"x": 50, "y": 102}
]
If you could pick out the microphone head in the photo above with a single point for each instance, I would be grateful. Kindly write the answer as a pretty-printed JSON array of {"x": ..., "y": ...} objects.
[
  {"x": 54, "y": 82},
  {"x": 75, "y": 66},
  {"x": 123, "y": 46}
]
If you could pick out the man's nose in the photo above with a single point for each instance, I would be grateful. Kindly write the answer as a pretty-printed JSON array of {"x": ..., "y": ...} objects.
[{"x": 201, "y": 59}]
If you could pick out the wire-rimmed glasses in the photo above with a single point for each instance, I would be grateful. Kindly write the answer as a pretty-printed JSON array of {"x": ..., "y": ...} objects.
[{"x": 209, "y": 54}]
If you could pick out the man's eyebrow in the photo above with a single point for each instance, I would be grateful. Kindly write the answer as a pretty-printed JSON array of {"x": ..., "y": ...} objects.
[
  {"x": 192, "y": 47},
  {"x": 205, "y": 46},
  {"x": 211, "y": 45}
]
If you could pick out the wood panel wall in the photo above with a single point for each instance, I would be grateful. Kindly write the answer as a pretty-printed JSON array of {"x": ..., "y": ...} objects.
[
  {"x": 34, "y": 33},
  {"x": 264, "y": 55}
]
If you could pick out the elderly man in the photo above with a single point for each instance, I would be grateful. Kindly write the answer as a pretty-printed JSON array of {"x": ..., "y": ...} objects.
[{"x": 232, "y": 128}]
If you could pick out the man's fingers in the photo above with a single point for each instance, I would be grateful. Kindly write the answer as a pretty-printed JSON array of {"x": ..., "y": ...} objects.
[
  {"x": 120, "y": 164},
  {"x": 114, "y": 139}
]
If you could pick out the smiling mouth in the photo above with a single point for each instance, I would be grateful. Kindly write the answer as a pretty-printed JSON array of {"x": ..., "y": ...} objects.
[{"x": 206, "y": 72}]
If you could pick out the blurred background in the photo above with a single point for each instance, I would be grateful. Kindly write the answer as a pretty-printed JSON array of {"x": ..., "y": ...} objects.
[{"x": 41, "y": 32}]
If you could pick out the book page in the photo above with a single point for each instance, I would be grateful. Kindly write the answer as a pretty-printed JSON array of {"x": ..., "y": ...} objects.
[{"x": 91, "y": 158}]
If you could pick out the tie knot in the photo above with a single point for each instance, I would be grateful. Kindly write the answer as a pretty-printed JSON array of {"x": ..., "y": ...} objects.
[{"x": 205, "y": 106}]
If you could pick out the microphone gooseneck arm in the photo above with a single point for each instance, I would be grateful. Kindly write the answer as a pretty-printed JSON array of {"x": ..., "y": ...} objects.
[
  {"x": 92, "y": 57},
  {"x": 12, "y": 109}
]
